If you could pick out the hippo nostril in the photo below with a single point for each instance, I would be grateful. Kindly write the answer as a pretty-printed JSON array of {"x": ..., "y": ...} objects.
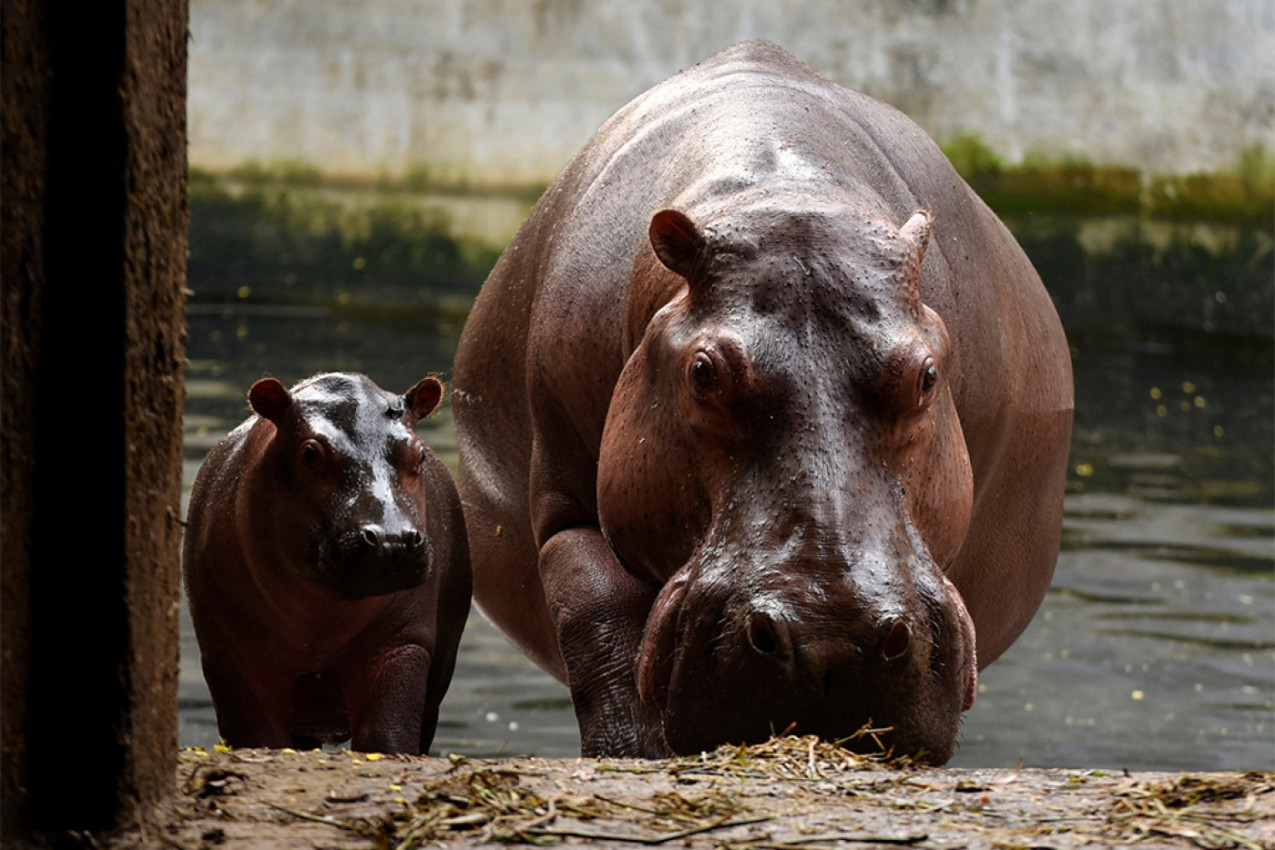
[
  {"x": 370, "y": 536},
  {"x": 761, "y": 634},
  {"x": 414, "y": 539},
  {"x": 896, "y": 642}
]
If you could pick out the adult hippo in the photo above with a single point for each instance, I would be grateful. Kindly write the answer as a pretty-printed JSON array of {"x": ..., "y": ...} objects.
[{"x": 763, "y": 416}]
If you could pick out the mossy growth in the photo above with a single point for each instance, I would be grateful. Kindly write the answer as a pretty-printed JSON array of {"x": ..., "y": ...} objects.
[
  {"x": 287, "y": 244},
  {"x": 287, "y": 172},
  {"x": 418, "y": 178},
  {"x": 1242, "y": 193},
  {"x": 973, "y": 157}
]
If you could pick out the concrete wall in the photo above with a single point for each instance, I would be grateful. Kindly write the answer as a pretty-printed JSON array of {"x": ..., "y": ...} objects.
[{"x": 505, "y": 91}]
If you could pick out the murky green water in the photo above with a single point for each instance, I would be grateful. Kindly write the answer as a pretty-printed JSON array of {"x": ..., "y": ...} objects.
[{"x": 1155, "y": 647}]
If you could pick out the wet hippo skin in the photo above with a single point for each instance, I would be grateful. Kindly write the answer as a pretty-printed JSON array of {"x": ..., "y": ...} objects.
[
  {"x": 763, "y": 421},
  {"x": 327, "y": 569}
]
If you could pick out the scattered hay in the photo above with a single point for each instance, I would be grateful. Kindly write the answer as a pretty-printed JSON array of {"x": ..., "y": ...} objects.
[
  {"x": 785, "y": 794},
  {"x": 1188, "y": 790},
  {"x": 1176, "y": 808}
]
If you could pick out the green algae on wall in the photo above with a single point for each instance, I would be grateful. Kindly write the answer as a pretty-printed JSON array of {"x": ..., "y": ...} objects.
[
  {"x": 275, "y": 241},
  {"x": 1243, "y": 193},
  {"x": 1118, "y": 248},
  {"x": 1153, "y": 278},
  {"x": 1114, "y": 248}
]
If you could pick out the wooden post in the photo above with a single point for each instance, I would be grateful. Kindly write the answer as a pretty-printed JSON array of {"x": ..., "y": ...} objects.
[{"x": 93, "y": 225}]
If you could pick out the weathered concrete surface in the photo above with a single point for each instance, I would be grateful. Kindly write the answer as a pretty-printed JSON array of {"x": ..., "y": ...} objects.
[
  {"x": 787, "y": 793},
  {"x": 503, "y": 92}
]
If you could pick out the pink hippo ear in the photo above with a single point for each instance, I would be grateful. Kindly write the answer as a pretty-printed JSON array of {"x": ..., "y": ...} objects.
[
  {"x": 678, "y": 241},
  {"x": 269, "y": 398},
  {"x": 916, "y": 230},
  {"x": 424, "y": 398}
]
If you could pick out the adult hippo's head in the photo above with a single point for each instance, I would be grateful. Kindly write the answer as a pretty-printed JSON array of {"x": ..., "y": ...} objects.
[{"x": 783, "y": 456}]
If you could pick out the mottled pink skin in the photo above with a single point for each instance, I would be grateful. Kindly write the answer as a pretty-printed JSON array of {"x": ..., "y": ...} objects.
[
  {"x": 327, "y": 569},
  {"x": 763, "y": 419}
]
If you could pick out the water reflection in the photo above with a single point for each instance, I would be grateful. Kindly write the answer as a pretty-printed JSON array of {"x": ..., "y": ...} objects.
[{"x": 1155, "y": 647}]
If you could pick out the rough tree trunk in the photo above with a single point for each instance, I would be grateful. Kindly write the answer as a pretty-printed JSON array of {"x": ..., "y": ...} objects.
[{"x": 94, "y": 249}]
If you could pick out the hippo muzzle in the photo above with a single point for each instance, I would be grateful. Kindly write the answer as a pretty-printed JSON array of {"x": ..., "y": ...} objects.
[
  {"x": 372, "y": 560},
  {"x": 739, "y": 650}
]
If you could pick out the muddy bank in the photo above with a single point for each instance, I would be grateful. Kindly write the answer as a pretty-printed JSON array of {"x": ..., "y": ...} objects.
[{"x": 788, "y": 793}]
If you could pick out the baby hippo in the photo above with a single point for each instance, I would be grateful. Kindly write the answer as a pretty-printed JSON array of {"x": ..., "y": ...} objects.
[{"x": 327, "y": 569}]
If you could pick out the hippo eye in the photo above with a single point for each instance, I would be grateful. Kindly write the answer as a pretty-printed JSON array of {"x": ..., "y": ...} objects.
[
  {"x": 407, "y": 456},
  {"x": 929, "y": 376},
  {"x": 703, "y": 374},
  {"x": 311, "y": 452}
]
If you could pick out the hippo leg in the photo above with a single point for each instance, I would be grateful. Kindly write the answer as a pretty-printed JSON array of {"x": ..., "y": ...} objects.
[
  {"x": 387, "y": 701},
  {"x": 600, "y": 611},
  {"x": 454, "y": 600},
  {"x": 249, "y": 712}
]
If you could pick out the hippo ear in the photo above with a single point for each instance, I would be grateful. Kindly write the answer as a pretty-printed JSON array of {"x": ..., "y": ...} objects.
[
  {"x": 916, "y": 230},
  {"x": 269, "y": 398},
  {"x": 678, "y": 241},
  {"x": 424, "y": 398}
]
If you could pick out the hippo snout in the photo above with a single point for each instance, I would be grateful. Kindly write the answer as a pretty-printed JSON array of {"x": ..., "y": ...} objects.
[
  {"x": 754, "y": 665},
  {"x": 372, "y": 560},
  {"x": 769, "y": 637},
  {"x": 376, "y": 540},
  {"x": 831, "y": 663}
]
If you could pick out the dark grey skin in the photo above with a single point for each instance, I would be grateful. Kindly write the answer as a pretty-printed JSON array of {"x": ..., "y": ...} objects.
[
  {"x": 764, "y": 420},
  {"x": 327, "y": 568}
]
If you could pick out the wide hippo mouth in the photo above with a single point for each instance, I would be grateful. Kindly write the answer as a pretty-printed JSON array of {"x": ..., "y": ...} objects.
[
  {"x": 724, "y": 666},
  {"x": 354, "y": 568}
]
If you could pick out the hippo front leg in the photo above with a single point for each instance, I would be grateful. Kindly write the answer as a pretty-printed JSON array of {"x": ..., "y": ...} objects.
[
  {"x": 387, "y": 700},
  {"x": 600, "y": 612},
  {"x": 253, "y": 709}
]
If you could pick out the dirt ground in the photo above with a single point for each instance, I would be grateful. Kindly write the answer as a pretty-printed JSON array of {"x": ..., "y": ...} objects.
[{"x": 787, "y": 794}]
